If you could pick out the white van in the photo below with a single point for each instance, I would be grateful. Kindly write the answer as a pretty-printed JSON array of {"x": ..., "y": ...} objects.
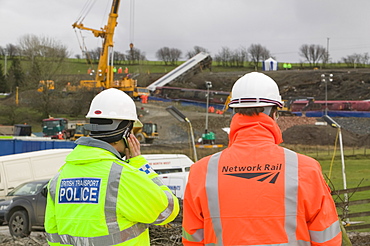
[
  {"x": 173, "y": 169},
  {"x": 44, "y": 164},
  {"x": 169, "y": 163},
  {"x": 19, "y": 168}
]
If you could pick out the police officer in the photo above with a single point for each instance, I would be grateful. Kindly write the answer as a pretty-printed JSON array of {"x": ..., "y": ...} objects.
[
  {"x": 106, "y": 193},
  {"x": 255, "y": 192}
]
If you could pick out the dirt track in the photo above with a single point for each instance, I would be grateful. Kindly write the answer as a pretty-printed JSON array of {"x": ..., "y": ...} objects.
[{"x": 296, "y": 130}]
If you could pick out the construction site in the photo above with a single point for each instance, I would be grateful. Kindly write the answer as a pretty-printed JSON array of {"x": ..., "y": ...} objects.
[{"x": 199, "y": 126}]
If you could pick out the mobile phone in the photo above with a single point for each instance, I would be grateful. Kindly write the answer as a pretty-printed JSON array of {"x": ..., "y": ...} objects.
[{"x": 126, "y": 134}]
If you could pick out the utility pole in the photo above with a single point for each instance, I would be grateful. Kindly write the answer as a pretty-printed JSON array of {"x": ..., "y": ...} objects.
[
  {"x": 327, "y": 50},
  {"x": 324, "y": 79},
  {"x": 5, "y": 64},
  {"x": 208, "y": 85}
]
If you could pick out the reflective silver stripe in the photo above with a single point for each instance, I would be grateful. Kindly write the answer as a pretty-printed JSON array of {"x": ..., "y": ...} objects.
[
  {"x": 111, "y": 198},
  {"x": 195, "y": 237},
  {"x": 212, "y": 195},
  {"x": 158, "y": 181},
  {"x": 298, "y": 243},
  {"x": 115, "y": 238},
  {"x": 115, "y": 235},
  {"x": 168, "y": 211},
  {"x": 53, "y": 186},
  {"x": 291, "y": 197},
  {"x": 327, "y": 234},
  {"x": 291, "y": 194}
]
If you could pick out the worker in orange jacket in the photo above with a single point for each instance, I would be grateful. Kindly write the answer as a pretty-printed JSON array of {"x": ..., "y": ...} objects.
[{"x": 255, "y": 192}]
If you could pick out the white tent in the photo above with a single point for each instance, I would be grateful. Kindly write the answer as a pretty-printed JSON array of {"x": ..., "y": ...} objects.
[{"x": 269, "y": 65}]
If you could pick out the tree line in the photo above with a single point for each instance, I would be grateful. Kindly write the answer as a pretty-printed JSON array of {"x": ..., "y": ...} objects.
[
  {"x": 46, "y": 58},
  {"x": 35, "y": 58}
]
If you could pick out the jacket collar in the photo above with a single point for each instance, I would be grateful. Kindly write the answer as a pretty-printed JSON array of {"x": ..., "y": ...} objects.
[
  {"x": 92, "y": 142},
  {"x": 259, "y": 127}
]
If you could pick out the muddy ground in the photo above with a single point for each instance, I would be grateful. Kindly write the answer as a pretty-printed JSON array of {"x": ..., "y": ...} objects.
[
  {"x": 160, "y": 236},
  {"x": 174, "y": 135}
]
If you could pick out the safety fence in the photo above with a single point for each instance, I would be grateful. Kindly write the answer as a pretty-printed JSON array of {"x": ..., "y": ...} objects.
[{"x": 355, "y": 213}]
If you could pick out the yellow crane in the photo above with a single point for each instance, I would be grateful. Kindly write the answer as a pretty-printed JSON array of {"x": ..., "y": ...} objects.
[
  {"x": 104, "y": 73},
  {"x": 104, "y": 77}
]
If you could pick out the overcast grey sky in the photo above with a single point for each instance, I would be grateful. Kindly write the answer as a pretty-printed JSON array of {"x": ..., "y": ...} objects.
[{"x": 281, "y": 26}]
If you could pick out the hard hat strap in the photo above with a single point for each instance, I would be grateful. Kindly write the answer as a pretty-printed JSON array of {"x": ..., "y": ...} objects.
[
  {"x": 267, "y": 110},
  {"x": 103, "y": 127}
]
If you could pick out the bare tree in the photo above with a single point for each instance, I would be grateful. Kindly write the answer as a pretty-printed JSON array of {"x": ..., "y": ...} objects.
[
  {"x": 119, "y": 57},
  {"x": 175, "y": 55},
  {"x": 257, "y": 54},
  {"x": 93, "y": 55},
  {"x": 353, "y": 60},
  {"x": 16, "y": 77},
  {"x": 313, "y": 53},
  {"x": 46, "y": 57},
  {"x": 168, "y": 55},
  {"x": 163, "y": 54},
  {"x": 3, "y": 82},
  {"x": 12, "y": 50},
  {"x": 224, "y": 57},
  {"x": 231, "y": 58},
  {"x": 365, "y": 58},
  {"x": 240, "y": 56},
  {"x": 197, "y": 50},
  {"x": 135, "y": 55}
]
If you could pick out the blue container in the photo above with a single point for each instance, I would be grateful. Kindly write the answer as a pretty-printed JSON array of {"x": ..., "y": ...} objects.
[{"x": 16, "y": 146}]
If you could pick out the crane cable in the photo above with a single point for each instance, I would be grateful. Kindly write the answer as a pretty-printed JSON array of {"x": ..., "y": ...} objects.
[
  {"x": 83, "y": 48},
  {"x": 132, "y": 23},
  {"x": 81, "y": 17},
  {"x": 85, "y": 10},
  {"x": 332, "y": 160}
]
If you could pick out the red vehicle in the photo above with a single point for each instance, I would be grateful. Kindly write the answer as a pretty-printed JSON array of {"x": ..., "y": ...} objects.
[
  {"x": 299, "y": 105},
  {"x": 57, "y": 128}
]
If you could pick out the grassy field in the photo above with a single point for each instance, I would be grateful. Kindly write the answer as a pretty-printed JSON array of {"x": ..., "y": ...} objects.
[
  {"x": 357, "y": 173},
  {"x": 80, "y": 66},
  {"x": 357, "y": 170}
]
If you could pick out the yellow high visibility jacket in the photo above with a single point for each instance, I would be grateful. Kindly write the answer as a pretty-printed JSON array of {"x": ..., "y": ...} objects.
[{"x": 99, "y": 199}]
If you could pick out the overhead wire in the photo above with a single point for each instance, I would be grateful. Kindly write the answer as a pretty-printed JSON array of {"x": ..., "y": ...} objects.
[{"x": 132, "y": 21}]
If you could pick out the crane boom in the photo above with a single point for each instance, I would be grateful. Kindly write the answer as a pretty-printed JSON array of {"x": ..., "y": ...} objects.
[{"x": 104, "y": 74}]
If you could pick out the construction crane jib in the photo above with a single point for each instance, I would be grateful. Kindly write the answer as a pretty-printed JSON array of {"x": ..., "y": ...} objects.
[{"x": 104, "y": 74}]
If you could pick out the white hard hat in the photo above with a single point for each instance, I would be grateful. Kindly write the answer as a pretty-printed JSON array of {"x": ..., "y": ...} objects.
[
  {"x": 113, "y": 104},
  {"x": 255, "y": 90}
]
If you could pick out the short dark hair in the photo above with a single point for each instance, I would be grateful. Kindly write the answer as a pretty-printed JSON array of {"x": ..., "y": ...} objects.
[
  {"x": 248, "y": 111},
  {"x": 253, "y": 111}
]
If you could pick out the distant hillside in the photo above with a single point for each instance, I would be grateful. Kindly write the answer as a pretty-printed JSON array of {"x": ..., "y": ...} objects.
[{"x": 347, "y": 84}]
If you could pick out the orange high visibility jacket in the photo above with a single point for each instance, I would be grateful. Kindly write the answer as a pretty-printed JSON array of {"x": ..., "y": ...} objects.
[{"x": 257, "y": 193}]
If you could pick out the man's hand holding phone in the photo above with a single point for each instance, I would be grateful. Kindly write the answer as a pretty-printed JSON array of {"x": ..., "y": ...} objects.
[{"x": 133, "y": 146}]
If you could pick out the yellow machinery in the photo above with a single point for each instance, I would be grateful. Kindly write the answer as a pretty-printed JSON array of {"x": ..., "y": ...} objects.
[
  {"x": 104, "y": 73},
  {"x": 104, "y": 77},
  {"x": 226, "y": 105},
  {"x": 48, "y": 85},
  {"x": 80, "y": 131},
  {"x": 147, "y": 133},
  {"x": 129, "y": 85}
]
